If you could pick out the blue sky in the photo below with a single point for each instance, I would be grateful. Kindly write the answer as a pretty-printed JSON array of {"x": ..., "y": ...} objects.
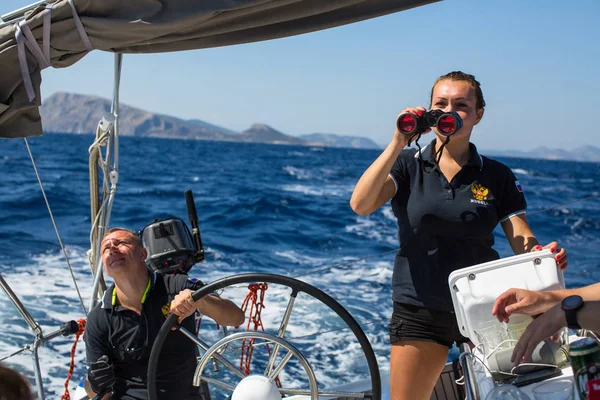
[{"x": 538, "y": 63}]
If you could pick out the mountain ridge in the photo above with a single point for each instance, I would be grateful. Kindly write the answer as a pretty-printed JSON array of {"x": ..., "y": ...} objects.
[
  {"x": 587, "y": 153},
  {"x": 79, "y": 114}
]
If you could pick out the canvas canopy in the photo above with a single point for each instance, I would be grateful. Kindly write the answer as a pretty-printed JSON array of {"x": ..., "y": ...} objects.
[{"x": 61, "y": 32}]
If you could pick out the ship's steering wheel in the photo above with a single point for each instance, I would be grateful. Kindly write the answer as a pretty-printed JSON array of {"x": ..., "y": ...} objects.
[{"x": 277, "y": 342}]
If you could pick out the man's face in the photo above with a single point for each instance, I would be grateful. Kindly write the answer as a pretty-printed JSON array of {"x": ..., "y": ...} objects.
[{"x": 121, "y": 252}]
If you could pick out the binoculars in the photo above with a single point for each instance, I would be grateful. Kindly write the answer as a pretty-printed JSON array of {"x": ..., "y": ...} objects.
[{"x": 447, "y": 123}]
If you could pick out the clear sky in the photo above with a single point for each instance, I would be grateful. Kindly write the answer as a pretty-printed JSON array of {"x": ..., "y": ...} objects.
[{"x": 538, "y": 63}]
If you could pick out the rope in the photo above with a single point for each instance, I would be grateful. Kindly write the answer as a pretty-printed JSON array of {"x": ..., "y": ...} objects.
[
  {"x": 584, "y": 272},
  {"x": 565, "y": 204},
  {"x": 62, "y": 246},
  {"x": 383, "y": 320},
  {"x": 81, "y": 323},
  {"x": 15, "y": 353},
  {"x": 343, "y": 264},
  {"x": 256, "y": 299}
]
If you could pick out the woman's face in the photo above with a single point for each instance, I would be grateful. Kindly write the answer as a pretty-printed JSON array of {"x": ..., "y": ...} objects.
[{"x": 459, "y": 96}]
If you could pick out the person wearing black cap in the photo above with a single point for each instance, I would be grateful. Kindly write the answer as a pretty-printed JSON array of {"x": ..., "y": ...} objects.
[{"x": 447, "y": 199}]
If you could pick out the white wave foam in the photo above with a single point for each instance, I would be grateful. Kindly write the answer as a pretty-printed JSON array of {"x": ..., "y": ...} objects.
[
  {"x": 332, "y": 351},
  {"x": 371, "y": 228},
  {"x": 46, "y": 290},
  {"x": 327, "y": 190},
  {"x": 301, "y": 259},
  {"x": 388, "y": 212},
  {"x": 298, "y": 173},
  {"x": 520, "y": 171}
]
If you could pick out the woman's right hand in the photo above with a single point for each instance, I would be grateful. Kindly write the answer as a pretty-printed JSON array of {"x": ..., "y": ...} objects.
[{"x": 402, "y": 138}]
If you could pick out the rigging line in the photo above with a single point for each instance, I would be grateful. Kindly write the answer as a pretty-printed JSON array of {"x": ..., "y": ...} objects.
[
  {"x": 584, "y": 272},
  {"x": 362, "y": 324},
  {"x": 377, "y": 321},
  {"x": 343, "y": 264},
  {"x": 564, "y": 204},
  {"x": 55, "y": 227},
  {"x": 393, "y": 251},
  {"x": 15, "y": 353},
  {"x": 383, "y": 320}
]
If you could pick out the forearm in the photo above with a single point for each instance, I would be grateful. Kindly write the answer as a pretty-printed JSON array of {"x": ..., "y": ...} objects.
[
  {"x": 88, "y": 389},
  {"x": 587, "y": 293},
  {"x": 588, "y": 316},
  {"x": 223, "y": 311},
  {"x": 519, "y": 234},
  {"x": 366, "y": 194},
  {"x": 529, "y": 242}
]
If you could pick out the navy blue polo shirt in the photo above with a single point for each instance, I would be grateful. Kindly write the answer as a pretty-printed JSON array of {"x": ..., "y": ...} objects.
[
  {"x": 127, "y": 338},
  {"x": 444, "y": 226}
]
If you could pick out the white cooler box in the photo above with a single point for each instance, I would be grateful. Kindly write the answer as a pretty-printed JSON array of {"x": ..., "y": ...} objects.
[{"x": 475, "y": 289}]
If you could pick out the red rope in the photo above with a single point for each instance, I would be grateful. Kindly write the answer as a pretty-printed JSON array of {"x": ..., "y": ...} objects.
[
  {"x": 255, "y": 298},
  {"x": 81, "y": 323}
]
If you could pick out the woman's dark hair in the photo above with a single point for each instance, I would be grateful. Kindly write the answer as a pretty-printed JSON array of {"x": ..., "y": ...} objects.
[
  {"x": 13, "y": 385},
  {"x": 461, "y": 76}
]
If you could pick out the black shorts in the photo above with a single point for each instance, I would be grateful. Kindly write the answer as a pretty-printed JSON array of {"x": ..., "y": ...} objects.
[{"x": 418, "y": 323}]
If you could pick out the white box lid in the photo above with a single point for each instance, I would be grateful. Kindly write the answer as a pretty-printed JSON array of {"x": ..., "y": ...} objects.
[{"x": 474, "y": 290}]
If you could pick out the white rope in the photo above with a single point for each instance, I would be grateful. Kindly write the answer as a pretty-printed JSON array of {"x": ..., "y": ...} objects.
[
  {"x": 25, "y": 38},
  {"x": 55, "y": 227},
  {"x": 95, "y": 151},
  {"x": 80, "y": 29}
]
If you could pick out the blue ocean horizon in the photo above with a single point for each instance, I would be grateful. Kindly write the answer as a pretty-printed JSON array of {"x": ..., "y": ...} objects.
[{"x": 262, "y": 208}]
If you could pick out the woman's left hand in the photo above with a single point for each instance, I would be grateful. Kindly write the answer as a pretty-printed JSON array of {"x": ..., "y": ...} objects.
[{"x": 560, "y": 254}]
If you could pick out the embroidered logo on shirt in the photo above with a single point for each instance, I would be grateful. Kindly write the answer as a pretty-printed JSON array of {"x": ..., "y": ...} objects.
[
  {"x": 480, "y": 192},
  {"x": 165, "y": 310},
  {"x": 519, "y": 187}
]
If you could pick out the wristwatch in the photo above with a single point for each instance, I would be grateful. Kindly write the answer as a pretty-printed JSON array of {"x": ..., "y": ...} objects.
[{"x": 571, "y": 305}]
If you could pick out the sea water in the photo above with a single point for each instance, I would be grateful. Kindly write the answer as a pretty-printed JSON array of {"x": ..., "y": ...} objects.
[{"x": 262, "y": 208}]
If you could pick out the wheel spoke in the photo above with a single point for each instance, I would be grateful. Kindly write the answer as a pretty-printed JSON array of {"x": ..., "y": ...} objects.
[
  {"x": 219, "y": 383},
  {"x": 279, "y": 367},
  {"x": 273, "y": 366},
  {"x": 304, "y": 392},
  {"x": 281, "y": 332},
  {"x": 217, "y": 356}
]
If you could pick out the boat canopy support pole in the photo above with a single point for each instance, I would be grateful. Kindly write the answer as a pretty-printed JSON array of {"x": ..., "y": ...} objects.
[
  {"x": 108, "y": 133},
  {"x": 17, "y": 15}
]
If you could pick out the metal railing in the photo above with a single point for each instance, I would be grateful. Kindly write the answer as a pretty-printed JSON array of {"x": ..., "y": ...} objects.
[
  {"x": 17, "y": 15},
  {"x": 39, "y": 340}
]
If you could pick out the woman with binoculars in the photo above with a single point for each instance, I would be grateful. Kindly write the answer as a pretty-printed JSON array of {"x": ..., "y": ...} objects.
[{"x": 447, "y": 199}]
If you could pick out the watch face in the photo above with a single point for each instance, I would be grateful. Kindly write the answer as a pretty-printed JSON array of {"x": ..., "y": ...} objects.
[{"x": 572, "y": 302}]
